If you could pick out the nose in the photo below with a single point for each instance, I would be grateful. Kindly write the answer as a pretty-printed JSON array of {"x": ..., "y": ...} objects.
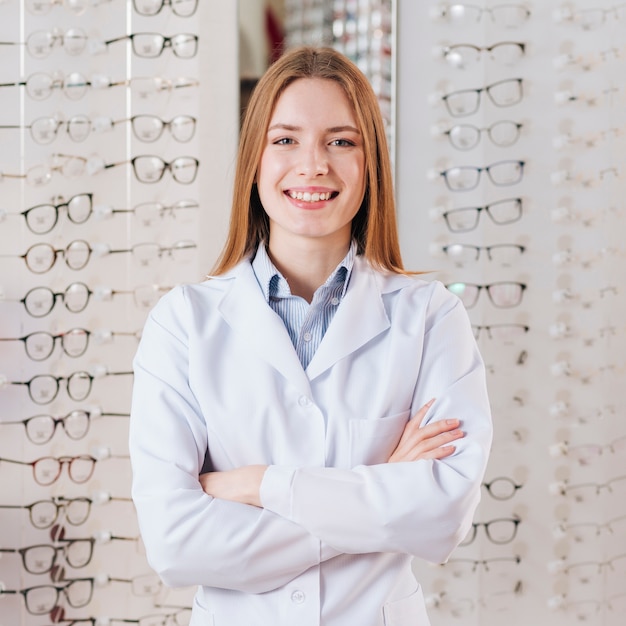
[{"x": 313, "y": 161}]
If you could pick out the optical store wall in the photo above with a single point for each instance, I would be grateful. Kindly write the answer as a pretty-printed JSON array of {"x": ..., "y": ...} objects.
[
  {"x": 510, "y": 171},
  {"x": 88, "y": 242},
  {"x": 533, "y": 245}
]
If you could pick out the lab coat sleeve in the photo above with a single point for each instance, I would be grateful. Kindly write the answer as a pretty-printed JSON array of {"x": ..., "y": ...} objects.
[
  {"x": 191, "y": 538},
  {"x": 423, "y": 508}
]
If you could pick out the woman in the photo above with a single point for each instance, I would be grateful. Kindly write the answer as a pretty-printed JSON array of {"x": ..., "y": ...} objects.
[{"x": 275, "y": 464}]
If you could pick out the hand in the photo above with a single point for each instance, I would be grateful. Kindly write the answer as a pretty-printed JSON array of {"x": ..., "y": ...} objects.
[
  {"x": 426, "y": 442},
  {"x": 242, "y": 484}
]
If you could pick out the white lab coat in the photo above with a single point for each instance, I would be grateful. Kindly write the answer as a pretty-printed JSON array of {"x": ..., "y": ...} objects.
[{"x": 334, "y": 541}]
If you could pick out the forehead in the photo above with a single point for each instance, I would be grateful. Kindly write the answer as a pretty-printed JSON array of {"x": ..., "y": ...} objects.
[{"x": 314, "y": 99}]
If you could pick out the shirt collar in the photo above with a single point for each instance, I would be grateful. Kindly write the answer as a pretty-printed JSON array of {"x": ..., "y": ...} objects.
[{"x": 273, "y": 283}]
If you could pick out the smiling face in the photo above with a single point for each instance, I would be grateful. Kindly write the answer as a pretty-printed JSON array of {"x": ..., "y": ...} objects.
[{"x": 311, "y": 178}]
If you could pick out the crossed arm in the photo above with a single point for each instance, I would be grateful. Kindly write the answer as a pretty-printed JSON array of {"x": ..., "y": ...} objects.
[{"x": 433, "y": 442}]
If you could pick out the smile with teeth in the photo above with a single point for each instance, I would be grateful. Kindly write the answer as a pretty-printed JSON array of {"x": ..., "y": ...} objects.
[{"x": 307, "y": 196}]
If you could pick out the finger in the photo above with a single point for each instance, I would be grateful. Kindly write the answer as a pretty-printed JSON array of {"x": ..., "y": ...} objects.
[
  {"x": 407, "y": 451},
  {"x": 413, "y": 433},
  {"x": 421, "y": 414},
  {"x": 439, "y": 453}
]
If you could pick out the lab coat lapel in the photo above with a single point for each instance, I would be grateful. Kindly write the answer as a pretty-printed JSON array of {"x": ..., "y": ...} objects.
[
  {"x": 245, "y": 310},
  {"x": 360, "y": 317}
]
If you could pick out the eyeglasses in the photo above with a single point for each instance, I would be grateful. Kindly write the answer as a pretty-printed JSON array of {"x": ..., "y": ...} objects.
[
  {"x": 585, "y": 572},
  {"x": 502, "y": 488},
  {"x": 151, "y": 45},
  {"x": 44, "y": 130},
  {"x": 43, "y": 598},
  {"x": 40, "y": 345},
  {"x": 149, "y": 128},
  {"x": 588, "y": 492},
  {"x": 462, "y": 55},
  {"x": 505, "y": 15},
  {"x": 467, "y": 136},
  {"x": 562, "y": 409},
  {"x": 42, "y": 218},
  {"x": 503, "y": 93},
  {"x": 568, "y": 256},
  {"x": 499, "y": 531},
  {"x": 44, "y": 513},
  {"x": 141, "y": 586},
  {"x": 589, "y": 139},
  {"x": 608, "y": 95},
  {"x": 584, "y": 532},
  {"x": 41, "y": 175},
  {"x": 146, "y": 128},
  {"x": 505, "y": 254},
  {"x": 503, "y": 294},
  {"x": 147, "y": 213},
  {"x": 41, "y": 257},
  {"x": 40, "y": 301},
  {"x": 41, "y": 428},
  {"x": 179, "y": 618},
  {"x": 462, "y": 607},
  {"x": 41, "y": 558},
  {"x": 40, "y": 86},
  {"x": 563, "y": 368},
  {"x": 586, "y": 453},
  {"x": 585, "y": 62},
  {"x": 586, "y": 179},
  {"x": 505, "y": 333},
  {"x": 590, "y": 610},
  {"x": 182, "y": 8},
  {"x": 47, "y": 469},
  {"x": 40, "y": 44},
  {"x": 586, "y": 300},
  {"x": 591, "y": 19},
  {"x": 44, "y": 388},
  {"x": 496, "y": 567},
  {"x": 466, "y": 178},
  {"x": 150, "y": 168},
  {"x": 76, "y": 7},
  {"x": 75, "y": 511},
  {"x": 465, "y": 219}
]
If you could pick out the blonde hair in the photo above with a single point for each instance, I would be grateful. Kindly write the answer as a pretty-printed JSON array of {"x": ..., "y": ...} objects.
[{"x": 374, "y": 227}]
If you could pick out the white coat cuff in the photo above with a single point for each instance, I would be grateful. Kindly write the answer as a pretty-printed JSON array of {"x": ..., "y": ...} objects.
[{"x": 275, "y": 491}]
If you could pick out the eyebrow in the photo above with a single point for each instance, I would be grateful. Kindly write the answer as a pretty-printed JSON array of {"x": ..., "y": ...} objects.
[{"x": 332, "y": 129}]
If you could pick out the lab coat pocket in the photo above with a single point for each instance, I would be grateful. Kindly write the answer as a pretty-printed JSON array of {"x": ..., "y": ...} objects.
[
  {"x": 408, "y": 611},
  {"x": 373, "y": 441}
]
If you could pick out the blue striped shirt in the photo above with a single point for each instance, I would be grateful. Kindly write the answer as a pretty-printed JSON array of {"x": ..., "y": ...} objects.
[{"x": 306, "y": 323}]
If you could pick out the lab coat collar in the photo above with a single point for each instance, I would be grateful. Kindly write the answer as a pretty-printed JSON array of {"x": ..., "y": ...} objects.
[
  {"x": 359, "y": 319},
  {"x": 244, "y": 308}
]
